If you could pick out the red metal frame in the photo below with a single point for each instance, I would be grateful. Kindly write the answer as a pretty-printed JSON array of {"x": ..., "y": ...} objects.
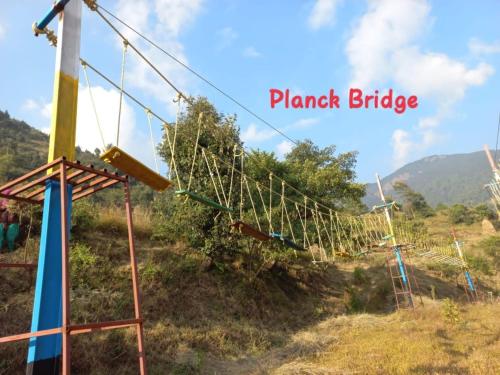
[{"x": 85, "y": 181}]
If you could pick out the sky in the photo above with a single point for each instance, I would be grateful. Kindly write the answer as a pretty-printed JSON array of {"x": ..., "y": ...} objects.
[{"x": 446, "y": 52}]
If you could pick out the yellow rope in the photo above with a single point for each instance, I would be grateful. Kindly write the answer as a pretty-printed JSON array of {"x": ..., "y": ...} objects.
[{"x": 200, "y": 119}]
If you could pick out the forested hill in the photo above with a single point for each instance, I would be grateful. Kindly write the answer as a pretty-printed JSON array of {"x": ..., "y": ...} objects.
[
  {"x": 23, "y": 148},
  {"x": 448, "y": 179}
]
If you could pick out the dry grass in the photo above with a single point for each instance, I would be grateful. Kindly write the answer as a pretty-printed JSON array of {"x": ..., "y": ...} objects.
[
  {"x": 420, "y": 342},
  {"x": 113, "y": 220},
  {"x": 202, "y": 320}
]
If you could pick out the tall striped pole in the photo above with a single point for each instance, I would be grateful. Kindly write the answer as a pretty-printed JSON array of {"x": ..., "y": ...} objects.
[
  {"x": 44, "y": 353},
  {"x": 465, "y": 267},
  {"x": 395, "y": 247}
]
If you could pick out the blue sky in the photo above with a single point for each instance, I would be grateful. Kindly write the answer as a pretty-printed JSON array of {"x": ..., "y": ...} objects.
[{"x": 445, "y": 52}]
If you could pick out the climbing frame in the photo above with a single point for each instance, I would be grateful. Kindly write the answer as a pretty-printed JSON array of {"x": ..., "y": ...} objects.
[{"x": 84, "y": 181}]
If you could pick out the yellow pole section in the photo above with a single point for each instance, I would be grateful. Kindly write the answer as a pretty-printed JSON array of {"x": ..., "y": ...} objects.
[
  {"x": 386, "y": 210},
  {"x": 65, "y": 98}
]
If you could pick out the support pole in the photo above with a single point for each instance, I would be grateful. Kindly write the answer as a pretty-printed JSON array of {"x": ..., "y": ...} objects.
[
  {"x": 395, "y": 247},
  {"x": 465, "y": 267},
  {"x": 135, "y": 282},
  {"x": 66, "y": 344},
  {"x": 51, "y": 300}
]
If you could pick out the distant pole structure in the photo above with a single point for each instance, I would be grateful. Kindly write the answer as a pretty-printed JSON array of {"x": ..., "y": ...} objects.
[
  {"x": 44, "y": 353},
  {"x": 400, "y": 273},
  {"x": 472, "y": 292},
  {"x": 494, "y": 186},
  {"x": 493, "y": 163}
]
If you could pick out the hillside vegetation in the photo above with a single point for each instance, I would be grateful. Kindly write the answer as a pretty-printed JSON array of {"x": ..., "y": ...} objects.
[
  {"x": 215, "y": 302},
  {"x": 289, "y": 317}
]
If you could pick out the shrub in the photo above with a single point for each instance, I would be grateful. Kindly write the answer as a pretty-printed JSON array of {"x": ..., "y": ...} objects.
[
  {"x": 82, "y": 263},
  {"x": 152, "y": 274},
  {"x": 441, "y": 207},
  {"x": 359, "y": 275},
  {"x": 480, "y": 264},
  {"x": 459, "y": 214},
  {"x": 491, "y": 246},
  {"x": 83, "y": 216},
  {"x": 450, "y": 311},
  {"x": 353, "y": 301},
  {"x": 483, "y": 211}
]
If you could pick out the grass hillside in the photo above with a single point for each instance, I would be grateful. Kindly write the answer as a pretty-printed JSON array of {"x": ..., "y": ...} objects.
[
  {"x": 447, "y": 179},
  {"x": 287, "y": 317}
]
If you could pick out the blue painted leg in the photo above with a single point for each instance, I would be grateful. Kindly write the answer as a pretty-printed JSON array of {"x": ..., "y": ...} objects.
[
  {"x": 397, "y": 252},
  {"x": 44, "y": 352},
  {"x": 469, "y": 281}
]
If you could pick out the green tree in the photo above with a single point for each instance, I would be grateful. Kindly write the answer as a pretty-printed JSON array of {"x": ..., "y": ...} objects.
[
  {"x": 324, "y": 176},
  {"x": 412, "y": 200},
  {"x": 460, "y": 214},
  {"x": 483, "y": 211},
  {"x": 201, "y": 226}
]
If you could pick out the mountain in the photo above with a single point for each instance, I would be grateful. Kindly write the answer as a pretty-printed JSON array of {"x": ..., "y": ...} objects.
[{"x": 448, "y": 179}]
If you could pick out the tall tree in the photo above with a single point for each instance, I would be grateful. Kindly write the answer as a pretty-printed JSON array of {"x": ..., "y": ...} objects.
[{"x": 412, "y": 200}]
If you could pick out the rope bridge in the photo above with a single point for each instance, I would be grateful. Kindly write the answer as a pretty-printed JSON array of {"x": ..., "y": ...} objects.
[{"x": 262, "y": 210}]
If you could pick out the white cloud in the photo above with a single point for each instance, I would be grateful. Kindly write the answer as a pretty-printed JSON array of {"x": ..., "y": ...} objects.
[
  {"x": 304, "y": 123},
  {"x": 385, "y": 28},
  {"x": 2, "y": 31},
  {"x": 132, "y": 139},
  {"x": 383, "y": 50},
  {"x": 162, "y": 21},
  {"x": 251, "y": 52},
  {"x": 40, "y": 106},
  {"x": 323, "y": 13},
  {"x": 176, "y": 14},
  {"x": 253, "y": 134},
  {"x": 42, "y": 110},
  {"x": 402, "y": 147},
  {"x": 137, "y": 15},
  {"x": 283, "y": 148},
  {"x": 478, "y": 47},
  {"x": 435, "y": 75},
  {"x": 226, "y": 37}
]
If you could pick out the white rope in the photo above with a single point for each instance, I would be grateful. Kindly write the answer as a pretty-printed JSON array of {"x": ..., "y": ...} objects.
[
  {"x": 84, "y": 66},
  {"x": 122, "y": 80},
  {"x": 148, "y": 114}
]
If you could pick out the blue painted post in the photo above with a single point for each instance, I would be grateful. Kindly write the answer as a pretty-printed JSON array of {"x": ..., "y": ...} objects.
[
  {"x": 397, "y": 252},
  {"x": 51, "y": 14},
  {"x": 469, "y": 281},
  {"x": 44, "y": 352}
]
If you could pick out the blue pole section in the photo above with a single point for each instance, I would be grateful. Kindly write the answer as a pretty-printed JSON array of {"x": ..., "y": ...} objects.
[
  {"x": 469, "y": 281},
  {"x": 57, "y": 8},
  {"x": 397, "y": 252},
  {"x": 44, "y": 352}
]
